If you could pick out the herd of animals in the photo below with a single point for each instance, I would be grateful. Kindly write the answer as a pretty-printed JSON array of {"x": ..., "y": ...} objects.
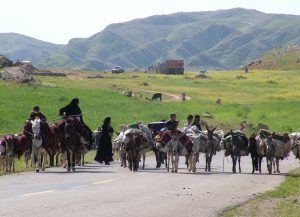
[{"x": 66, "y": 142}]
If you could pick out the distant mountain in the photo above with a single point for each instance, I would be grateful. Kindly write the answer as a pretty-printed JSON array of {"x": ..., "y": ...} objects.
[
  {"x": 16, "y": 46},
  {"x": 281, "y": 58},
  {"x": 218, "y": 39}
]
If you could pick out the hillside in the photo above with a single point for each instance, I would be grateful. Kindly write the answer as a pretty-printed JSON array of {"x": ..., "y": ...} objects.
[
  {"x": 224, "y": 39},
  {"x": 17, "y": 46},
  {"x": 284, "y": 58},
  {"x": 218, "y": 39}
]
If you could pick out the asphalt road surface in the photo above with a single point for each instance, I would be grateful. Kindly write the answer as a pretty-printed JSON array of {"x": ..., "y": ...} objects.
[{"x": 97, "y": 190}]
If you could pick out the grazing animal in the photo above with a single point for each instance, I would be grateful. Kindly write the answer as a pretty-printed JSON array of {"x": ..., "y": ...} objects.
[
  {"x": 236, "y": 145},
  {"x": 157, "y": 96}
]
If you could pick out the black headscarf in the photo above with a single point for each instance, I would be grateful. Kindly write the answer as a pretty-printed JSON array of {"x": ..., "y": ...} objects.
[
  {"x": 74, "y": 102},
  {"x": 106, "y": 121}
]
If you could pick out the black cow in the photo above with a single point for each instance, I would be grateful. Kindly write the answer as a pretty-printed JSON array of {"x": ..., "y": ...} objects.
[{"x": 157, "y": 96}]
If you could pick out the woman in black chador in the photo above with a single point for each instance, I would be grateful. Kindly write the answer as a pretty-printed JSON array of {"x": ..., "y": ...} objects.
[{"x": 104, "y": 152}]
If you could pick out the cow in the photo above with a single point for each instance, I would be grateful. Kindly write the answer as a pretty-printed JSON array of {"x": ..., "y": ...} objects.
[{"x": 157, "y": 96}]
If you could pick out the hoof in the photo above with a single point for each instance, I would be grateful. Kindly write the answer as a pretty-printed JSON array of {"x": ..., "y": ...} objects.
[
  {"x": 252, "y": 171},
  {"x": 73, "y": 169},
  {"x": 37, "y": 170},
  {"x": 43, "y": 169},
  {"x": 175, "y": 171},
  {"x": 68, "y": 169}
]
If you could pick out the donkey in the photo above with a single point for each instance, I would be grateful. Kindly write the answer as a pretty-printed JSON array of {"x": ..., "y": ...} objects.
[
  {"x": 236, "y": 145},
  {"x": 257, "y": 150},
  {"x": 71, "y": 143},
  {"x": 175, "y": 144},
  {"x": 7, "y": 149},
  {"x": 207, "y": 143}
]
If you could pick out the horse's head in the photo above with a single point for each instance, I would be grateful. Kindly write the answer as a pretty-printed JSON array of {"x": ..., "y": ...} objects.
[
  {"x": 36, "y": 128},
  {"x": 9, "y": 145}
]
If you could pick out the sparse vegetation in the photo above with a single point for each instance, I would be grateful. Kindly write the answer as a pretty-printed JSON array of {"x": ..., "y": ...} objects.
[{"x": 282, "y": 202}]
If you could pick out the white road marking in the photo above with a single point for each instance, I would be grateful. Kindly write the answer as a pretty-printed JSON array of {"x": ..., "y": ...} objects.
[
  {"x": 103, "y": 182},
  {"x": 38, "y": 193}
]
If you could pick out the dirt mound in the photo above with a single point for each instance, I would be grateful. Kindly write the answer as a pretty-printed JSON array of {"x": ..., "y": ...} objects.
[{"x": 21, "y": 74}]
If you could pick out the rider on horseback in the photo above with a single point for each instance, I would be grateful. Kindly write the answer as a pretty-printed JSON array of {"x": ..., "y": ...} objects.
[
  {"x": 73, "y": 110},
  {"x": 35, "y": 113}
]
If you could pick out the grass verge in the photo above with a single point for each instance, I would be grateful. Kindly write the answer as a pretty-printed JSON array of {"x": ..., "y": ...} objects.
[{"x": 284, "y": 201}]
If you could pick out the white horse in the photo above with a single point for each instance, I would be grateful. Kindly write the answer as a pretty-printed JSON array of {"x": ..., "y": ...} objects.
[{"x": 38, "y": 152}]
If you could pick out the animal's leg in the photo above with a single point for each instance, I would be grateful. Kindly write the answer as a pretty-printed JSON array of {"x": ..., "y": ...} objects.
[
  {"x": 259, "y": 163},
  {"x": 43, "y": 163},
  {"x": 233, "y": 163},
  {"x": 168, "y": 164},
  {"x": 240, "y": 169},
  {"x": 176, "y": 162},
  {"x": 74, "y": 154},
  {"x": 209, "y": 164},
  {"x": 274, "y": 164},
  {"x": 144, "y": 159},
  {"x": 68, "y": 162},
  {"x": 277, "y": 165},
  {"x": 82, "y": 162},
  {"x": 206, "y": 158}
]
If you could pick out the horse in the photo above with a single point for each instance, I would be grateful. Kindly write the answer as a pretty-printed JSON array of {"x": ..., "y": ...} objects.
[
  {"x": 236, "y": 145},
  {"x": 7, "y": 149}
]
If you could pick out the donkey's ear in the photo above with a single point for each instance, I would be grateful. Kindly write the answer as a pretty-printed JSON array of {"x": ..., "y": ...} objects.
[
  {"x": 231, "y": 131},
  {"x": 5, "y": 138},
  {"x": 206, "y": 127},
  {"x": 215, "y": 128}
]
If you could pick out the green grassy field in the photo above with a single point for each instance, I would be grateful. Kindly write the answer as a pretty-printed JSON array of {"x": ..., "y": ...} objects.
[
  {"x": 270, "y": 97},
  {"x": 282, "y": 202}
]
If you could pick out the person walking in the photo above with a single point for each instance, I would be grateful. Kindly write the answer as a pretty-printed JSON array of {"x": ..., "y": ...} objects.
[{"x": 104, "y": 152}]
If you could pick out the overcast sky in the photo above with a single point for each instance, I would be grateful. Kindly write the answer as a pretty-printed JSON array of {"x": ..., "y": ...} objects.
[{"x": 60, "y": 20}]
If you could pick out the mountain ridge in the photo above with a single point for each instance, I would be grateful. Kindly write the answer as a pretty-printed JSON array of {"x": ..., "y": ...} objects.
[{"x": 212, "y": 39}]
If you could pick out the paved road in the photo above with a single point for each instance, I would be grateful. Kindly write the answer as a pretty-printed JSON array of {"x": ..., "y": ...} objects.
[{"x": 95, "y": 190}]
